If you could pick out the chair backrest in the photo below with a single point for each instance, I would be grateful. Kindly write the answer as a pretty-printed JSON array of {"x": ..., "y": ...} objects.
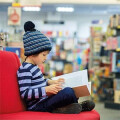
[{"x": 9, "y": 92}]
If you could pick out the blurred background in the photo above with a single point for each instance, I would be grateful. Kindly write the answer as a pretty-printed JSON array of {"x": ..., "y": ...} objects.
[{"x": 84, "y": 35}]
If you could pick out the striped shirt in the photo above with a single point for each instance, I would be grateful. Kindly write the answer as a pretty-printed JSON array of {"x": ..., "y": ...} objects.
[{"x": 31, "y": 84}]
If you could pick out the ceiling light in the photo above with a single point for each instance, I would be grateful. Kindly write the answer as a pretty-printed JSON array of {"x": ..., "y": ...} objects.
[
  {"x": 64, "y": 9},
  {"x": 31, "y": 8}
]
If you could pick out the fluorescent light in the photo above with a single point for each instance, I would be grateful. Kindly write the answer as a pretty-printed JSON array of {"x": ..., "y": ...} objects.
[
  {"x": 64, "y": 9},
  {"x": 31, "y": 8}
]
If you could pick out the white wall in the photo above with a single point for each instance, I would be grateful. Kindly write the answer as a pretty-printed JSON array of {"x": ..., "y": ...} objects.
[{"x": 73, "y": 23}]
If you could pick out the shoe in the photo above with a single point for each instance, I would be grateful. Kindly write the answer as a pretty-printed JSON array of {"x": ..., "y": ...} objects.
[
  {"x": 73, "y": 108},
  {"x": 87, "y": 105}
]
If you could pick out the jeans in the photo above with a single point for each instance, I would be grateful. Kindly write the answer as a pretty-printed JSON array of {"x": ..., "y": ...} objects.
[{"x": 63, "y": 98}]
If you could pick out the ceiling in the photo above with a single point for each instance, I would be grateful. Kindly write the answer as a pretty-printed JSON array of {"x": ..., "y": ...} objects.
[
  {"x": 78, "y": 8},
  {"x": 64, "y": 1}
]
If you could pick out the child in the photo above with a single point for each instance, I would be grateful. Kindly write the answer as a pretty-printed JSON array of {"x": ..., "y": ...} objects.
[{"x": 42, "y": 94}]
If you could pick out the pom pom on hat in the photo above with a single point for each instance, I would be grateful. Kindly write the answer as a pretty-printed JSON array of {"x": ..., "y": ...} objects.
[{"x": 29, "y": 26}]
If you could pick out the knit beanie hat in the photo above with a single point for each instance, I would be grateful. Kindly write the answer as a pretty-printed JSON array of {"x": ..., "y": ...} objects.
[{"x": 34, "y": 41}]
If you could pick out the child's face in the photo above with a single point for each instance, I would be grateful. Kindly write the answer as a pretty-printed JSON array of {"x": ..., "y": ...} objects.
[{"x": 40, "y": 58}]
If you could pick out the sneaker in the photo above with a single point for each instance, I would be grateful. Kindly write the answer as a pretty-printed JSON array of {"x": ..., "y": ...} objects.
[
  {"x": 73, "y": 108},
  {"x": 87, "y": 105}
]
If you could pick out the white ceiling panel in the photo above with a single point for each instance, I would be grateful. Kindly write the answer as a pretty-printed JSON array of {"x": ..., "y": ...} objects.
[{"x": 72, "y": 1}]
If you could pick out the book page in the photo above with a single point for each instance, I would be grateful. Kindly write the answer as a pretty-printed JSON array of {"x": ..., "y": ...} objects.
[
  {"x": 78, "y": 81},
  {"x": 74, "y": 79}
]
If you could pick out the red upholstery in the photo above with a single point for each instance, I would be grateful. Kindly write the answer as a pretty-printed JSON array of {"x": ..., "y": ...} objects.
[
  {"x": 11, "y": 106},
  {"x": 93, "y": 115},
  {"x": 9, "y": 92}
]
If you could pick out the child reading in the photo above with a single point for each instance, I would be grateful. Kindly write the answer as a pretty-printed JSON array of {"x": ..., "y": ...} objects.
[{"x": 38, "y": 93}]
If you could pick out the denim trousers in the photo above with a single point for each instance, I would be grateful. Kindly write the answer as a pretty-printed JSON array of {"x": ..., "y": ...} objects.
[{"x": 63, "y": 98}]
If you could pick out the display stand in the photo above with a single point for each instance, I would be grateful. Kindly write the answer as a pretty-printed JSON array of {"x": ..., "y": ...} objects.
[
  {"x": 112, "y": 105},
  {"x": 105, "y": 67},
  {"x": 113, "y": 43}
]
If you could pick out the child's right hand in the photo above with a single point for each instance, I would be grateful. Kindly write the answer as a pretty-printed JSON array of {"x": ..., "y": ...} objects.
[{"x": 53, "y": 89}]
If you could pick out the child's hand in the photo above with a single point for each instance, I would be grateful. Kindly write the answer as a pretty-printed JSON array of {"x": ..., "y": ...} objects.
[
  {"x": 59, "y": 81},
  {"x": 53, "y": 89}
]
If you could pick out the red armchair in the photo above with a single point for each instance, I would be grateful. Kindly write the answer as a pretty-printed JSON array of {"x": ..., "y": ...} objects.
[{"x": 12, "y": 107}]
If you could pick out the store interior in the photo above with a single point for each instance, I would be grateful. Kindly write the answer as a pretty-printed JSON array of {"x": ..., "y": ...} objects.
[{"x": 84, "y": 35}]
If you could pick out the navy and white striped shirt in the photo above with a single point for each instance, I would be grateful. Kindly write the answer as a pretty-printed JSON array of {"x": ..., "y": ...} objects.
[{"x": 32, "y": 84}]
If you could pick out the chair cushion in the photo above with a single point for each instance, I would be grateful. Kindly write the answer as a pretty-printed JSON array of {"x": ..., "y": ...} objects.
[
  {"x": 92, "y": 115},
  {"x": 9, "y": 93}
]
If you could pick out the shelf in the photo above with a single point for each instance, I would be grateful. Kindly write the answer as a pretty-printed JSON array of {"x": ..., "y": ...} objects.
[
  {"x": 116, "y": 72},
  {"x": 108, "y": 63},
  {"x": 106, "y": 77},
  {"x": 112, "y": 105}
]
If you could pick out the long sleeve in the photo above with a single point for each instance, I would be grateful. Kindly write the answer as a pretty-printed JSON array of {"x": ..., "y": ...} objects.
[{"x": 31, "y": 87}]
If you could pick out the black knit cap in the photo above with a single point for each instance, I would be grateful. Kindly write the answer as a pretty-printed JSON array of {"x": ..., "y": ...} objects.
[{"x": 34, "y": 41}]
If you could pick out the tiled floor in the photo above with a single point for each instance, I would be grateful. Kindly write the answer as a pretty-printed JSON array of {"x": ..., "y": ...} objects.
[{"x": 107, "y": 114}]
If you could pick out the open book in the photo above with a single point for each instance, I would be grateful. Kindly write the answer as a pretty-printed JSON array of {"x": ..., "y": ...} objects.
[{"x": 78, "y": 81}]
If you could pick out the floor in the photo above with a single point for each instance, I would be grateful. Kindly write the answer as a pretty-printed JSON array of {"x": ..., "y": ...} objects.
[{"x": 107, "y": 114}]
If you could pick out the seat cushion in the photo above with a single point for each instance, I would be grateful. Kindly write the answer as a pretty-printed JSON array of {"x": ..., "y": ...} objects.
[{"x": 92, "y": 115}]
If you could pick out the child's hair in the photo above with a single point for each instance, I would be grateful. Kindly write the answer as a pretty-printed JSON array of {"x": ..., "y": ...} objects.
[{"x": 34, "y": 41}]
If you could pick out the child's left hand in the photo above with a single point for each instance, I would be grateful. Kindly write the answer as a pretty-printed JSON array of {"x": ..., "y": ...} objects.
[{"x": 59, "y": 81}]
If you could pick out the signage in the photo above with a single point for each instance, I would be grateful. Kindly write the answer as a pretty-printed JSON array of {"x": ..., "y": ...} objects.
[{"x": 14, "y": 16}]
